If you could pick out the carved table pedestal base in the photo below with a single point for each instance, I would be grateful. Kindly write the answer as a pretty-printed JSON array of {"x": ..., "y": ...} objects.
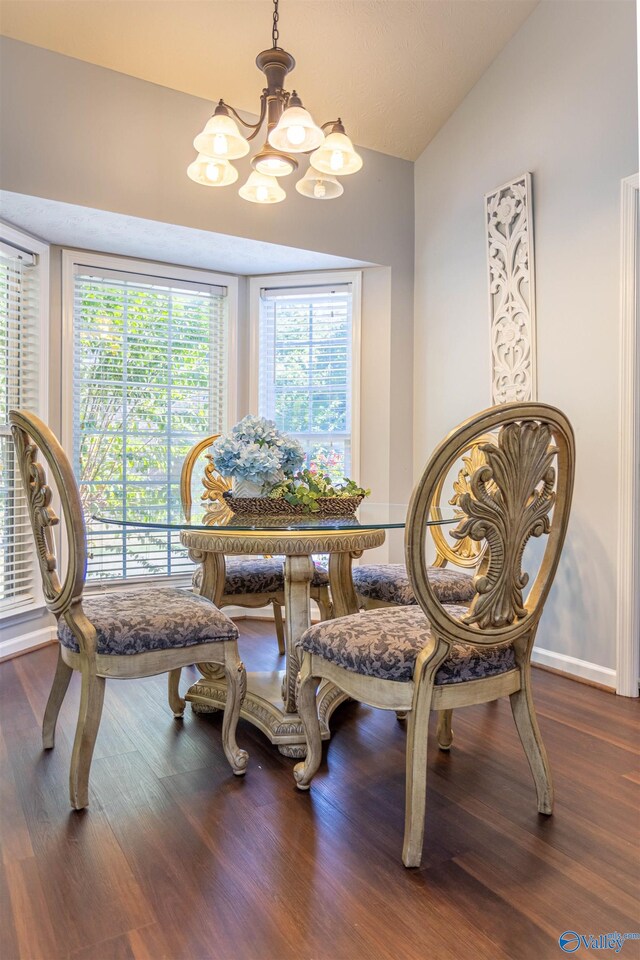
[
  {"x": 263, "y": 708},
  {"x": 270, "y": 701}
]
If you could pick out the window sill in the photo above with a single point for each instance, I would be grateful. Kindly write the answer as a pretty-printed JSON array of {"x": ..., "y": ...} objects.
[{"x": 32, "y": 611}]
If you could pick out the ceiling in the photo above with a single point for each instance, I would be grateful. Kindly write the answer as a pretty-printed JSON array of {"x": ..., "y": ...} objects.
[
  {"x": 395, "y": 70},
  {"x": 86, "y": 229}
]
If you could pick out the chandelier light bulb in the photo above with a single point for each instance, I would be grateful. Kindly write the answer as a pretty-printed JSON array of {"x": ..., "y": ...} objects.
[
  {"x": 261, "y": 188},
  {"x": 336, "y": 155},
  {"x": 337, "y": 160},
  {"x": 295, "y": 135},
  {"x": 319, "y": 186},
  {"x": 220, "y": 145},
  {"x": 211, "y": 172}
]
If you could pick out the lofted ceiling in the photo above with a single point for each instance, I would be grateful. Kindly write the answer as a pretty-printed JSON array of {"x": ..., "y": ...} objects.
[{"x": 395, "y": 70}]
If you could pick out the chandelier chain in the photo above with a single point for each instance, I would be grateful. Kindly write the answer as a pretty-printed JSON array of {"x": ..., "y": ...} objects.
[{"x": 275, "y": 33}]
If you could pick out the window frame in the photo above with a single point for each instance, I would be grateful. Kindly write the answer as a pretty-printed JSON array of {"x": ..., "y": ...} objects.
[
  {"x": 71, "y": 259},
  {"x": 29, "y": 244},
  {"x": 324, "y": 278}
]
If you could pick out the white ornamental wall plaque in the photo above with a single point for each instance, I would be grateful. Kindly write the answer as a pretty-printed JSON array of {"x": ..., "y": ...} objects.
[{"x": 509, "y": 223}]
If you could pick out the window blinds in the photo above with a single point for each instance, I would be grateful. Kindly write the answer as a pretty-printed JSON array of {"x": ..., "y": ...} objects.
[
  {"x": 18, "y": 389},
  {"x": 150, "y": 379},
  {"x": 305, "y": 370}
]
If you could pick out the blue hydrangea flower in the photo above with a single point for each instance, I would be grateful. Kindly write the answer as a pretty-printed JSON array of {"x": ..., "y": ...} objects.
[{"x": 257, "y": 451}]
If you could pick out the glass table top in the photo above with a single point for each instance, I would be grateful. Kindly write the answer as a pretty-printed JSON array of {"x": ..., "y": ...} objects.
[{"x": 369, "y": 516}]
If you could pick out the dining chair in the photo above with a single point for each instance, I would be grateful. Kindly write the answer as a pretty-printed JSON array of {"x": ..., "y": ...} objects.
[
  {"x": 137, "y": 633},
  {"x": 388, "y": 584},
  {"x": 439, "y": 656},
  {"x": 249, "y": 581}
]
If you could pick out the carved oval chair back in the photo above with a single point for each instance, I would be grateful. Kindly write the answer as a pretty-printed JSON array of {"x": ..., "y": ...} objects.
[
  {"x": 439, "y": 656},
  {"x": 248, "y": 581},
  {"x": 137, "y": 633},
  {"x": 388, "y": 584}
]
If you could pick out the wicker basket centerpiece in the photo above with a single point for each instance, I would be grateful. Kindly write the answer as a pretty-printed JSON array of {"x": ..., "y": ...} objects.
[{"x": 327, "y": 507}]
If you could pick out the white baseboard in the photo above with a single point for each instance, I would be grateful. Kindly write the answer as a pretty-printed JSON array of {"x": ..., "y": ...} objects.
[
  {"x": 28, "y": 641},
  {"x": 577, "y": 668}
]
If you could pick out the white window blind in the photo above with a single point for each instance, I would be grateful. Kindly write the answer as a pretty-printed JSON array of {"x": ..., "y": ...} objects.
[
  {"x": 305, "y": 370},
  {"x": 150, "y": 379},
  {"x": 18, "y": 389}
]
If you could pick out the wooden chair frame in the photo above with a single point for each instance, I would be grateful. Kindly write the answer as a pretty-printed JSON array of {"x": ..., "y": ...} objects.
[
  {"x": 215, "y": 485},
  {"x": 64, "y": 598},
  {"x": 509, "y": 500}
]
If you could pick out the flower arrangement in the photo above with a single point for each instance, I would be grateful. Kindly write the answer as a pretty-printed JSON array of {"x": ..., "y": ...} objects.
[
  {"x": 256, "y": 452},
  {"x": 307, "y": 487}
]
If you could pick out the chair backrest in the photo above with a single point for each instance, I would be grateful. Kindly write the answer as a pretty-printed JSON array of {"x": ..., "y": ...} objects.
[
  {"x": 213, "y": 482},
  {"x": 31, "y": 435},
  {"x": 464, "y": 551},
  {"x": 523, "y": 490}
]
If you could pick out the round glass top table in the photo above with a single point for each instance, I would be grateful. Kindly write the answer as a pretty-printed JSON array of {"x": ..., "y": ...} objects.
[{"x": 270, "y": 702}]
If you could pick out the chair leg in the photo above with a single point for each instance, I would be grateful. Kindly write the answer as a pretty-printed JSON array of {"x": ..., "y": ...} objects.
[
  {"x": 58, "y": 691},
  {"x": 524, "y": 715},
  {"x": 444, "y": 733},
  {"x": 176, "y": 702},
  {"x": 277, "y": 616},
  {"x": 416, "y": 779},
  {"x": 236, "y": 677},
  {"x": 308, "y": 712},
  {"x": 91, "y": 700},
  {"x": 324, "y": 604}
]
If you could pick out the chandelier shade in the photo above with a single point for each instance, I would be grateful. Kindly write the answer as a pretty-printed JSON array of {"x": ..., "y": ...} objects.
[
  {"x": 291, "y": 132},
  {"x": 261, "y": 188},
  {"x": 211, "y": 172},
  {"x": 336, "y": 156},
  {"x": 296, "y": 130},
  {"x": 273, "y": 162},
  {"x": 222, "y": 139},
  {"x": 319, "y": 186}
]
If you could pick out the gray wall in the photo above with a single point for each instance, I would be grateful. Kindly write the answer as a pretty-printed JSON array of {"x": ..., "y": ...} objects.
[{"x": 559, "y": 101}]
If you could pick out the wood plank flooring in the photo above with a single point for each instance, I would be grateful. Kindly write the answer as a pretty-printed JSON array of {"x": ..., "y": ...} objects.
[{"x": 177, "y": 859}]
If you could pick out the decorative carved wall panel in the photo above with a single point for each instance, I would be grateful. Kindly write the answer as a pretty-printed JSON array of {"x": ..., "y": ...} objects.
[{"x": 509, "y": 223}]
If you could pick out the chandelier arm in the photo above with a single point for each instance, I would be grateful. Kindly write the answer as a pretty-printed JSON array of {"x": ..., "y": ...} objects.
[{"x": 253, "y": 126}]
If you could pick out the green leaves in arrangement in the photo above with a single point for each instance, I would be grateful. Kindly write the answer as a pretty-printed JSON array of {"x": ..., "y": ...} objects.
[{"x": 307, "y": 487}]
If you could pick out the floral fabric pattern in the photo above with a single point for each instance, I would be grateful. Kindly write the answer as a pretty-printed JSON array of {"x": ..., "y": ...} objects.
[
  {"x": 144, "y": 620},
  {"x": 390, "y": 582},
  {"x": 257, "y": 575},
  {"x": 385, "y": 644}
]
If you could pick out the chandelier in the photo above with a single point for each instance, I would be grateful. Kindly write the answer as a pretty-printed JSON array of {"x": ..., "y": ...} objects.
[{"x": 291, "y": 132}]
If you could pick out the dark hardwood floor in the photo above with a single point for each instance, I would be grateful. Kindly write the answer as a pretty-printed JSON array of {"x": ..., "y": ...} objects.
[{"x": 176, "y": 858}]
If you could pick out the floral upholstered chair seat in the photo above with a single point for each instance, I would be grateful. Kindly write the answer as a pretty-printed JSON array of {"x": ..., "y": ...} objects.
[
  {"x": 385, "y": 644},
  {"x": 389, "y": 583},
  {"x": 153, "y": 619},
  {"x": 258, "y": 575}
]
